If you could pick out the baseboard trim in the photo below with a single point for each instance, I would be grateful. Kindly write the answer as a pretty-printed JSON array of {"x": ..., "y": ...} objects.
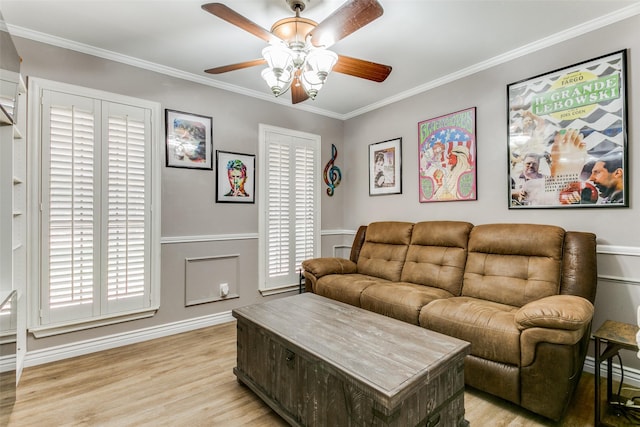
[
  {"x": 53, "y": 354},
  {"x": 631, "y": 375},
  {"x": 7, "y": 363}
]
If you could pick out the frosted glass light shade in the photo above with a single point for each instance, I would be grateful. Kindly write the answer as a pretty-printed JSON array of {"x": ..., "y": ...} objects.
[
  {"x": 321, "y": 62},
  {"x": 279, "y": 58},
  {"x": 311, "y": 83},
  {"x": 278, "y": 84}
]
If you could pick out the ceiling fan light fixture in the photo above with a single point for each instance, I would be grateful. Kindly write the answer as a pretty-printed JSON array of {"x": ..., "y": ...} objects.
[
  {"x": 313, "y": 66},
  {"x": 297, "y": 53}
]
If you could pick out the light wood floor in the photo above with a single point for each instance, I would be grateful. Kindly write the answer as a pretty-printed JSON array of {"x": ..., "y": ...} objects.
[{"x": 187, "y": 380}]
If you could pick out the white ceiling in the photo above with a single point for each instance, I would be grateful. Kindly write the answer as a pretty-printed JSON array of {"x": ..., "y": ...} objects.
[{"x": 427, "y": 42}]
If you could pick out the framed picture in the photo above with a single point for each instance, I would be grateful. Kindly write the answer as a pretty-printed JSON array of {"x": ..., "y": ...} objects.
[
  {"x": 385, "y": 167},
  {"x": 235, "y": 177},
  {"x": 567, "y": 137},
  {"x": 189, "y": 140},
  {"x": 447, "y": 157}
]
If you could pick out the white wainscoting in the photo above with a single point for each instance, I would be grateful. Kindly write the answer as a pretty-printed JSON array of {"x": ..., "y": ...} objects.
[
  {"x": 207, "y": 238},
  {"x": 244, "y": 236}
]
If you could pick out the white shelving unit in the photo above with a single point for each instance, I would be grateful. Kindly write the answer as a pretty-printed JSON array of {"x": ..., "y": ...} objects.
[{"x": 13, "y": 220}]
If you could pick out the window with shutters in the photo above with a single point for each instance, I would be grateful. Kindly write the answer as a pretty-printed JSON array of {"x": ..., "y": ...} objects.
[
  {"x": 99, "y": 239},
  {"x": 289, "y": 200}
]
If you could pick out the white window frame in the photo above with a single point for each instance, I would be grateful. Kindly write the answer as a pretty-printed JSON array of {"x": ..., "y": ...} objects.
[
  {"x": 35, "y": 238},
  {"x": 314, "y": 142}
]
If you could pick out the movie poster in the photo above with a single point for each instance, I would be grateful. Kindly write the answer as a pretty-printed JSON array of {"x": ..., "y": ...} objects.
[
  {"x": 447, "y": 157},
  {"x": 567, "y": 137}
]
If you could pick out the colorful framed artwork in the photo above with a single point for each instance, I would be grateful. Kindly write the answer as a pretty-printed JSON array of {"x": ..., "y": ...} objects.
[
  {"x": 235, "y": 177},
  {"x": 189, "y": 140},
  {"x": 567, "y": 137},
  {"x": 447, "y": 157},
  {"x": 385, "y": 167}
]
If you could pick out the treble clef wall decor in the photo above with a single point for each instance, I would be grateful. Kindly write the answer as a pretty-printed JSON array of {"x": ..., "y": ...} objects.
[{"x": 332, "y": 174}]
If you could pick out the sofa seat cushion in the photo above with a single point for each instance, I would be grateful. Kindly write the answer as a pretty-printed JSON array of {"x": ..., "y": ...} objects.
[
  {"x": 345, "y": 287},
  {"x": 400, "y": 300},
  {"x": 490, "y": 327}
]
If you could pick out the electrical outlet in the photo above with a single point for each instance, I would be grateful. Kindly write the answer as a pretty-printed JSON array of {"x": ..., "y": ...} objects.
[{"x": 224, "y": 289}]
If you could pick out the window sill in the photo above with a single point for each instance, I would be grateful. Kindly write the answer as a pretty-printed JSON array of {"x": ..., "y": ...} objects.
[
  {"x": 51, "y": 330},
  {"x": 279, "y": 290}
]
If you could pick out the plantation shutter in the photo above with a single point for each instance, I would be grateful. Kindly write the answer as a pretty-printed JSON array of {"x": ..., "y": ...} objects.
[
  {"x": 127, "y": 207},
  {"x": 95, "y": 208},
  {"x": 278, "y": 211},
  {"x": 291, "y": 215},
  {"x": 69, "y": 195},
  {"x": 304, "y": 205}
]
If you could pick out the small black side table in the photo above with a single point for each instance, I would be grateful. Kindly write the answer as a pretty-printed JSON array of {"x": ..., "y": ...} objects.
[
  {"x": 618, "y": 336},
  {"x": 301, "y": 284}
]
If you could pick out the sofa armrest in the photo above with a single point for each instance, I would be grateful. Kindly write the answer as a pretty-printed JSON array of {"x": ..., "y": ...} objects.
[
  {"x": 530, "y": 338},
  {"x": 567, "y": 312},
  {"x": 558, "y": 319},
  {"x": 319, "y": 267}
]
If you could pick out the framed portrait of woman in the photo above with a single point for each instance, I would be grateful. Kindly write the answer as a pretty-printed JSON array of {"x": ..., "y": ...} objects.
[{"x": 385, "y": 167}]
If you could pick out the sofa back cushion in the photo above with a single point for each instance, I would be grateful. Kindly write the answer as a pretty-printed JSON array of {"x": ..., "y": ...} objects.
[
  {"x": 384, "y": 249},
  {"x": 513, "y": 263},
  {"x": 437, "y": 255}
]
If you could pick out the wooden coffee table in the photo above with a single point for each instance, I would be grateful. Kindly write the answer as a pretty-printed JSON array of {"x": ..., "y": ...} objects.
[{"x": 316, "y": 362}]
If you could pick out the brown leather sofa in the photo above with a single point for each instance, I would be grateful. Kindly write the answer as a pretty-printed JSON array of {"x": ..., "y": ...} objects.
[{"x": 521, "y": 294}]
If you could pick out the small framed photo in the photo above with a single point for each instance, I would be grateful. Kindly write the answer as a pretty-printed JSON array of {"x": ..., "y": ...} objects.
[
  {"x": 235, "y": 177},
  {"x": 189, "y": 140},
  {"x": 385, "y": 167}
]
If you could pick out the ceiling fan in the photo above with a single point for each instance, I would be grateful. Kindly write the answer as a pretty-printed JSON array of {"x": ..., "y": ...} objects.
[{"x": 297, "y": 55}]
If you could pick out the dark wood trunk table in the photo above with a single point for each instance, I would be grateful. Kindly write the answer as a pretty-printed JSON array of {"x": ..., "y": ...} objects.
[{"x": 319, "y": 362}]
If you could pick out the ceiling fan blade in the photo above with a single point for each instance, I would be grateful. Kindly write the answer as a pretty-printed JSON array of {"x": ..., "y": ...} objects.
[
  {"x": 298, "y": 93},
  {"x": 231, "y": 16},
  {"x": 351, "y": 16},
  {"x": 361, "y": 68},
  {"x": 233, "y": 67}
]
